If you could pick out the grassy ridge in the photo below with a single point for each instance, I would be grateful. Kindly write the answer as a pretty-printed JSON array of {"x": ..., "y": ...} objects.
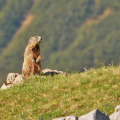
[{"x": 50, "y": 97}]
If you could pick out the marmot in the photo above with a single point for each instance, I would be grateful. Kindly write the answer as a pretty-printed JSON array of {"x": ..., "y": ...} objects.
[{"x": 32, "y": 57}]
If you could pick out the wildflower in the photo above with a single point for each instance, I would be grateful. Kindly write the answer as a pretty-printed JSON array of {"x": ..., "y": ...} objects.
[
  {"x": 111, "y": 111},
  {"x": 41, "y": 118},
  {"x": 53, "y": 103},
  {"x": 22, "y": 116},
  {"x": 95, "y": 104}
]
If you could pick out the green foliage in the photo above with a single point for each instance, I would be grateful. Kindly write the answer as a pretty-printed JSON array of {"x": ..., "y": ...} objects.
[
  {"x": 12, "y": 15},
  {"x": 109, "y": 3},
  {"x": 50, "y": 97},
  {"x": 2, "y": 3},
  {"x": 69, "y": 41}
]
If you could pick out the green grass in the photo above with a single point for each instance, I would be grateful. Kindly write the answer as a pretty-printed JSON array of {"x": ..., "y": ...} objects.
[{"x": 49, "y": 97}]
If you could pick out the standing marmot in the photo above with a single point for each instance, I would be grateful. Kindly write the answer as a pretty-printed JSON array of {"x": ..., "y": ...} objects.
[{"x": 32, "y": 58}]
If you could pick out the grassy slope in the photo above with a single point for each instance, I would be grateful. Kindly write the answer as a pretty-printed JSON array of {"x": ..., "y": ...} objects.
[{"x": 51, "y": 97}]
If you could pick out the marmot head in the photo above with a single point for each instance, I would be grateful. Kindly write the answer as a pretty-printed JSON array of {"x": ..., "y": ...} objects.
[{"x": 36, "y": 39}]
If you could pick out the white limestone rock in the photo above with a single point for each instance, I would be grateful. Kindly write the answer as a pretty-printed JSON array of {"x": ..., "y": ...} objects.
[
  {"x": 5, "y": 86},
  {"x": 62, "y": 118},
  {"x": 12, "y": 78},
  {"x": 94, "y": 115},
  {"x": 116, "y": 114},
  {"x": 71, "y": 118},
  {"x": 67, "y": 118},
  {"x": 52, "y": 72}
]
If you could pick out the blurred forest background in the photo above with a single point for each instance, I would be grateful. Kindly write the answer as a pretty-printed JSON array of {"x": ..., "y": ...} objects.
[{"x": 76, "y": 33}]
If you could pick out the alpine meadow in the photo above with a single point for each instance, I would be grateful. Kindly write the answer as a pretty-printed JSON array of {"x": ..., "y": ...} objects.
[{"x": 77, "y": 44}]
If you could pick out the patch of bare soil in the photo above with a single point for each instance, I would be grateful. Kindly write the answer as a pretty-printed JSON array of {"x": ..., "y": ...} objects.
[
  {"x": 25, "y": 22},
  {"x": 100, "y": 17}
]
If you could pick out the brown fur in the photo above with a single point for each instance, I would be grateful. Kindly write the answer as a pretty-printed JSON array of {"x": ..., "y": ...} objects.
[{"x": 32, "y": 58}]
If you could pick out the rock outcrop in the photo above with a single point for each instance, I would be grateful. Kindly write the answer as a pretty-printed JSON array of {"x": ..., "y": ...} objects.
[
  {"x": 116, "y": 114},
  {"x": 67, "y": 118},
  {"x": 12, "y": 79},
  {"x": 94, "y": 115},
  {"x": 52, "y": 72}
]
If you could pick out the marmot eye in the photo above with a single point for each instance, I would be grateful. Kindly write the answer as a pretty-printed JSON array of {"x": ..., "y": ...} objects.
[{"x": 36, "y": 37}]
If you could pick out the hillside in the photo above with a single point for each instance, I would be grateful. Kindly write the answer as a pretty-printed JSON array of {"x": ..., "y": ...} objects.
[
  {"x": 71, "y": 31},
  {"x": 49, "y": 97}
]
